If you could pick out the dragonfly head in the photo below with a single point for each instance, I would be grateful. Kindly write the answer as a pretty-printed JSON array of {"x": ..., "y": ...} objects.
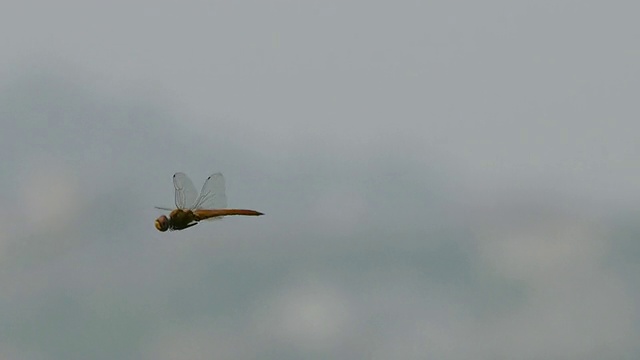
[{"x": 162, "y": 223}]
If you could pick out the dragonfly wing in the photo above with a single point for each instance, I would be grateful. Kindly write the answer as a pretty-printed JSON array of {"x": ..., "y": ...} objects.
[
  {"x": 186, "y": 194},
  {"x": 163, "y": 208},
  {"x": 212, "y": 195}
]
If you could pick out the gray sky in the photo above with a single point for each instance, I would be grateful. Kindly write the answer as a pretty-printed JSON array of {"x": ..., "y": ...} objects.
[{"x": 440, "y": 179}]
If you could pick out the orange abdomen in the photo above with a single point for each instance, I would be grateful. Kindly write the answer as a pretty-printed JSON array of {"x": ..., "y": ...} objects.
[{"x": 203, "y": 214}]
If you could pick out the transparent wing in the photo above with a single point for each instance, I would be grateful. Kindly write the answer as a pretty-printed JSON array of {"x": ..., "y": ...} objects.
[
  {"x": 212, "y": 195},
  {"x": 163, "y": 208},
  {"x": 186, "y": 193}
]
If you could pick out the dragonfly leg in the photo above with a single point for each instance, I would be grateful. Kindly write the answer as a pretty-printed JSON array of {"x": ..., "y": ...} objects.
[{"x": 190, "y": 225}]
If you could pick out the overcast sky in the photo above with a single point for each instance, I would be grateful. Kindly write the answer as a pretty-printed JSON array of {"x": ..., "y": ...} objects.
[{"x": 441, "y": 180}]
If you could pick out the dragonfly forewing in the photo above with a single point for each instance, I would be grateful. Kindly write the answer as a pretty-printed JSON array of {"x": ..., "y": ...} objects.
[{"x": 186, "y": 194}]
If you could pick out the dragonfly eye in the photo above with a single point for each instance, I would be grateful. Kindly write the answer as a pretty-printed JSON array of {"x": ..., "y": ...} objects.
[{"x": 162, "y": 223}]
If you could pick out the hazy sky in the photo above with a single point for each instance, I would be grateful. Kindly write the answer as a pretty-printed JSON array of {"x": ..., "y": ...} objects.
[{"x": 441, "y": 180}]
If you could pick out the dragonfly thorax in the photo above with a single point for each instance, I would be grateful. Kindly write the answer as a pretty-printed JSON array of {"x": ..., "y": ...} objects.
[{"x": 180, "y": 219}]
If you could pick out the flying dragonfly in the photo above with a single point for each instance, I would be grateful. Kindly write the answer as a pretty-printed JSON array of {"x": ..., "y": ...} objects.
[{"x": 190, "y": 209}]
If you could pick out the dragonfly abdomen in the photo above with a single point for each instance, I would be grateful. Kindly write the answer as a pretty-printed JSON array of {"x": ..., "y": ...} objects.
[{"x": 202, "y": 214}]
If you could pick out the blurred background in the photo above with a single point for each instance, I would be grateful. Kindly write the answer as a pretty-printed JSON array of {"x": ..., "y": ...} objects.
[{"x": 441, "y": 180}]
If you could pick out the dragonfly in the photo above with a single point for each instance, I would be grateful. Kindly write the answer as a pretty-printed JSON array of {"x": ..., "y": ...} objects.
[{"x": 192, "y": 208}]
